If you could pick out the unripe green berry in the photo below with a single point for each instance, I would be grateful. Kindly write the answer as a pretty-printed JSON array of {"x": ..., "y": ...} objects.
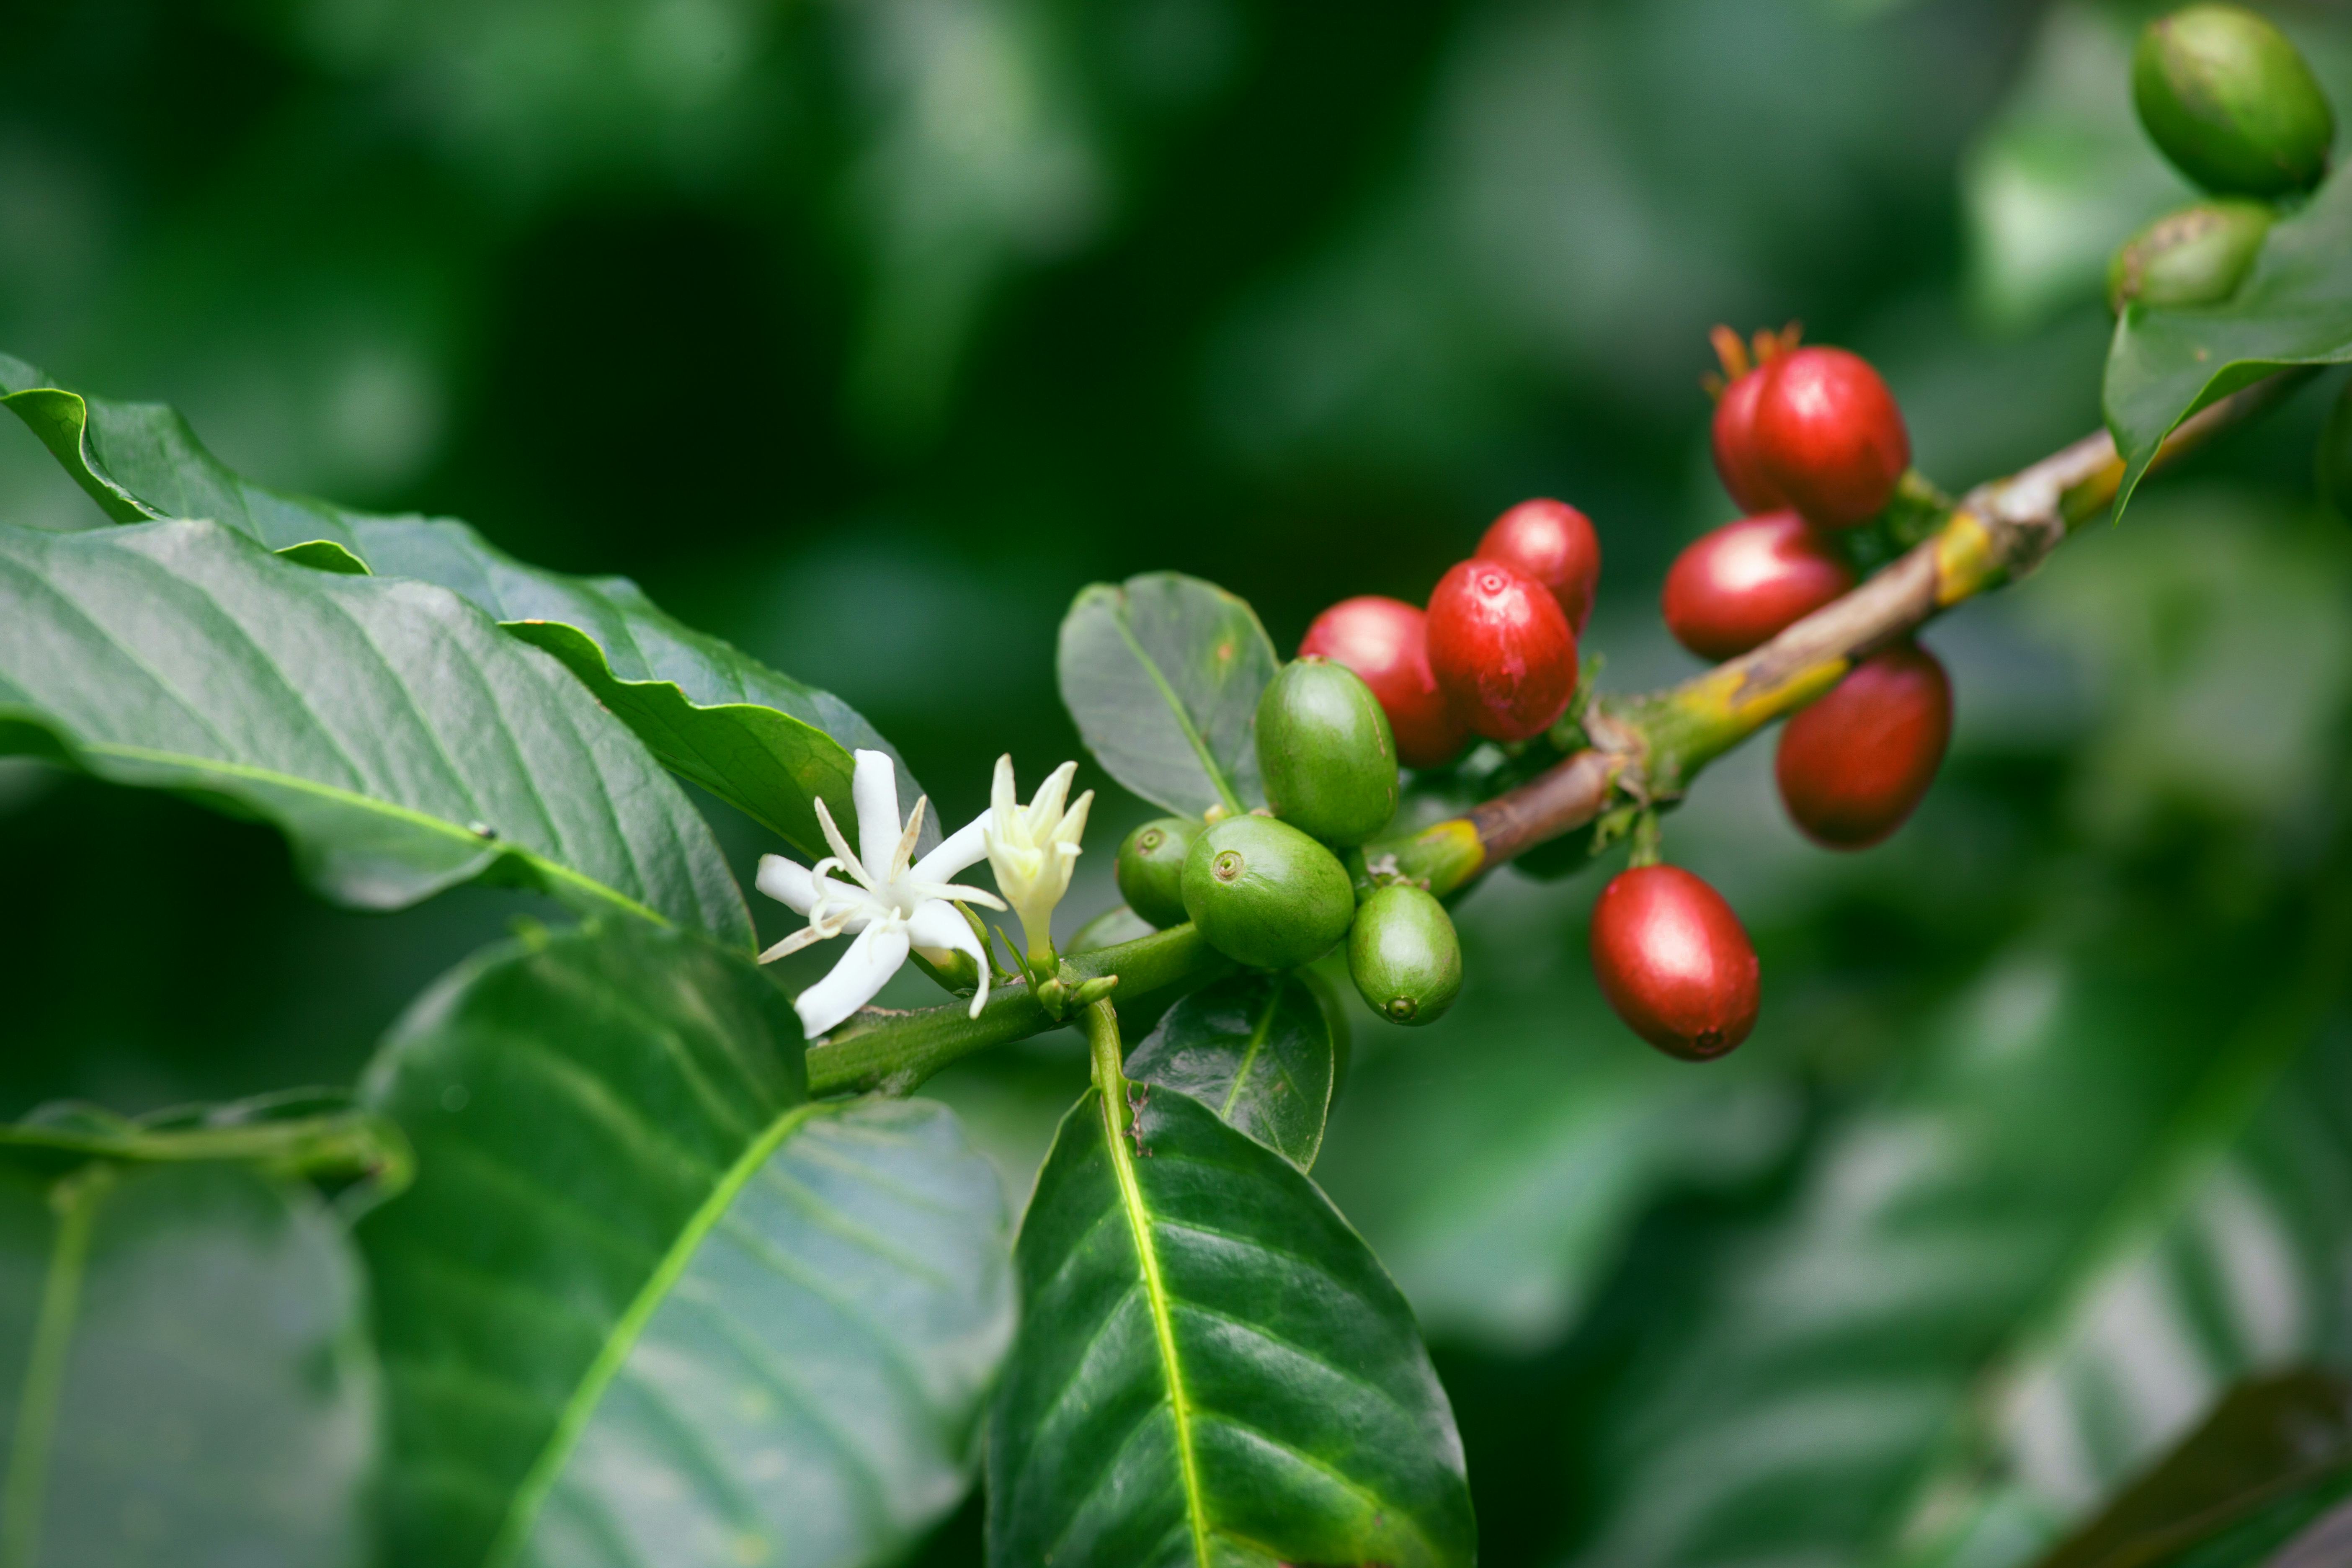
[
  {"x": 2231, "y": 102},
  {"x": 1150, "y": 870},
  {"x": 2197, "y": 256},
  {"x": 1325, "y": 753},
  {"x": 1404, "y": 955},
  {"x": 1264, "y": 894},
  {"x": 2335, "y": 455}
]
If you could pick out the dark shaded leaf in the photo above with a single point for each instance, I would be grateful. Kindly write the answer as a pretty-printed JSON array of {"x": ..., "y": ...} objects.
[
  {"x": 646, "y": 1301},
  {"x": 401, "y": 744},
  {"x": 1262, "y": 1050},
  {"x": 1212, "y": 1368},
  {"x": 2294, "y": 309},
  {"x": 1162, "y": 674},
  {"x": 184, "y": 1373},
  {"x": 759, "y": 740}
]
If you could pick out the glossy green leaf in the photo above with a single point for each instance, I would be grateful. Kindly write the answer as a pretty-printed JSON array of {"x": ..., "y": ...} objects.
[
  {"x": 401, "y": 744},
  {"x": 647, "y": 1302},
  {"x": 185, "y": 1380},
  {"x": 1263, "y": 1050},
  {"x": 2294, "y": 309},
  {"x": 757, "y": 738},
  {"x": 1162, "y": 674},
  {"x": 1212, "y": 1370},
  {"x": 1799, "y": 1408}
]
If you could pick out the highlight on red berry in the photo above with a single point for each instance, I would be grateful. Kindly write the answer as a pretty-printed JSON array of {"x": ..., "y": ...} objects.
[
  {"x": 1554, "y": 543},
  {"x": 1828, "y": 435},
  {"x": 1675, "y": 961},
  {"x": 1734, "y": 431},
  {"x": 1742, "y": 584},
  {"x": 1385, "y": 642},
  {"x": 1501, "y": 650},
  {"x": 1853, "y": 766}
]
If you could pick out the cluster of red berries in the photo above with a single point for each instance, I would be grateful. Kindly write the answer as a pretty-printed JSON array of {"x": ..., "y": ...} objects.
[{"x": 1809, "y": 443}]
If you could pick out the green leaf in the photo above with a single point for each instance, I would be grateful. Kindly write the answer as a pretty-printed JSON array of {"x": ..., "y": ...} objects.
[
  {"x": 1211, "y": 1367},
  {"x": 758, "y": 740},
  {"x": 1162, "y": 674},
  {"x": 1262, "y": 1050},
  {"x": 2294, "y": 309},
  {"x": 1799, "y": 1408},
  {"x": 647, "y": 1302},
  {"x": 184, "y": 1371},
  {"x": 2267, "y": 1439},
  {"x": 401, "y": 744}
]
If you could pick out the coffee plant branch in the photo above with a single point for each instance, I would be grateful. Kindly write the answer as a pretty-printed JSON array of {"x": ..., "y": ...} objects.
[{"x": 1636, "y": 752}]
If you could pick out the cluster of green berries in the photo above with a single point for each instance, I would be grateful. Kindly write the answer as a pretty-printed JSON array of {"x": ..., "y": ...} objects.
[
  {"x": 2231, "y": 101},
  {"x": 1267, "y": 890}
]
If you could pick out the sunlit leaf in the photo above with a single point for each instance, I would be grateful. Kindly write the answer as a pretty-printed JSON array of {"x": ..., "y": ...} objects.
[
  {"x": 184, "y": 1373},
  {"x": 1263, "y": 1051},
  {"x": 757, "y": 738},
  {"x": 1211, "y": 1367},
  {"x": 1830, "y": 1363},
  {"x": 1162, "y": 674},
  {"x": 2294, "y": 309},
  {"x": 401, "y": 741},
  {"x": 647, "y": 1301}
]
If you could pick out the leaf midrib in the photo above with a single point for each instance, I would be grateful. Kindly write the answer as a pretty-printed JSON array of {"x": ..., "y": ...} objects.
[
  {"x": 554, "y": 869},
  {"x": 1163, "y": 1326},
  {"x": 514, "y": 1532},
  {"x": 76, "y": 1201},
  {"x": 1191, "y": 732}
]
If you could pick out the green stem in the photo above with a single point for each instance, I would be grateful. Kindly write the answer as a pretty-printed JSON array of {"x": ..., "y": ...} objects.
[
  {"x": 894, "y": 1052},
  {"x": 76, "y": 1200}
]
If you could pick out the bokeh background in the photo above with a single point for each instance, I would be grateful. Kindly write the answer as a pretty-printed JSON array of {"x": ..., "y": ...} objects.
[{"x": 865, "y": 332}]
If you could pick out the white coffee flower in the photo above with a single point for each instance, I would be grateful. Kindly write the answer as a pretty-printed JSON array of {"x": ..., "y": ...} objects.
[
  {"x": 890, "y": 905},
  {"x": 1032, "y": 848}
]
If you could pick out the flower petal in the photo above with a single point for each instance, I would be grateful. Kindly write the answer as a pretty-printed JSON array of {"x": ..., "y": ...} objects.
[
  {"x": 875, "y": 789},
  {"x": 1046, "y": 810},
  {"x": 1073, "y": 826},
  {"x": 788, "y": 882},
  {"x": 959, "y": 851},
  {"x": 870, "y": 962},
  {"x": 937, "y": 923}
]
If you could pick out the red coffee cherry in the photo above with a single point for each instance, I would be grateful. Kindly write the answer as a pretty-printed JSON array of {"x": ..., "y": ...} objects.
[
  {"x": 1828, "y": 435},
  {"x": 1741, "y": 586},
  {"x": 1554, "y": 543},
  {"x": 1675, "y": 961},
  {"x": 1854, "y": 764},
  {"x": 1501, "y": 650},
  {"x": 1735, "y": 446},
  {"x": 1384, "y": 641}
]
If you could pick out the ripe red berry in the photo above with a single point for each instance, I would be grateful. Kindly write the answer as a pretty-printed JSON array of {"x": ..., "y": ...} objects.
[
  {"x": 1675, "y": 961},
  {"x": 1828, "y": 436},
  {"x": 1735, "y": 446},
  {"x": 1384, "y": 641},
  {"x": 1554, "y": 543},
  {"x": 1501, "y": 650},
  {"x": 1854, "y": 764},
  {"x": 1739, "y": 586}
]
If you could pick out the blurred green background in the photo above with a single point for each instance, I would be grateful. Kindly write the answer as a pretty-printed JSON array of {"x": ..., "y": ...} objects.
[{"x": 865, "y": 333}]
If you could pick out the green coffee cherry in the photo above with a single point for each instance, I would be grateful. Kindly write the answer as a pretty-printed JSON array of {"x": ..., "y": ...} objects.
[
  {"x": 1150, "y": 870},
  {"x": 2231, "y": 102},
  {"x": 1325, "y": 753},
  {"x": 1404, "y": 956},
  {"x": 2197, "y": 256},
  {"x": 1264, "y": 894},
  {"x": 2335, "y": 455},
  {"x": 1109, "y": 929}
]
